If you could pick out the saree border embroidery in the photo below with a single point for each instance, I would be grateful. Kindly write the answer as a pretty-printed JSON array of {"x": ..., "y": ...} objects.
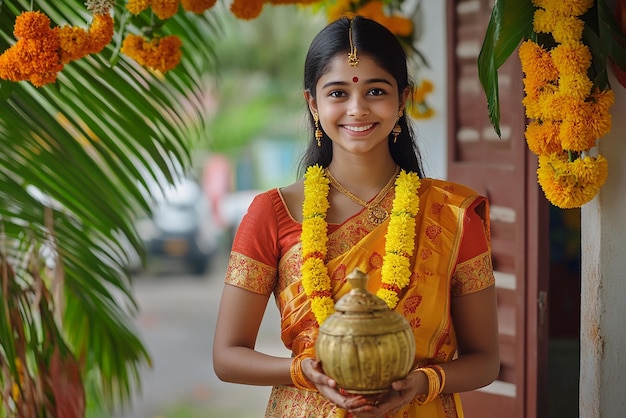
[
  {"x": 473, "y": 275},
  {"x": 247, "y": 273}
]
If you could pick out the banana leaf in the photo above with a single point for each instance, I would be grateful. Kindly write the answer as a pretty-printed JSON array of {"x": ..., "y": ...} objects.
[{"x": 73, "y": 156}]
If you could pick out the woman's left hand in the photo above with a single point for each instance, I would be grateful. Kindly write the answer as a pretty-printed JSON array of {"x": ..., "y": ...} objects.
[{"x": 402, "y": 393}]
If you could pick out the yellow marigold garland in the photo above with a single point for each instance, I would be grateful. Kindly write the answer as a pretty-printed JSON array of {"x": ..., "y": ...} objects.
[
  {"x": 399, "y": 241},
  {"x": 567, "y": 113}
]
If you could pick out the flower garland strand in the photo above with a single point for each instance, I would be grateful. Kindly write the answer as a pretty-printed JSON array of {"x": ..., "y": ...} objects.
[
  {"x": 567, "y": 115},
  {"x": 399, "y": 241}
]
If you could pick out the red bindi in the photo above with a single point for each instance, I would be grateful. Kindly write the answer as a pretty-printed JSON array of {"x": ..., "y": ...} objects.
[{"x": 355, "y": 79}]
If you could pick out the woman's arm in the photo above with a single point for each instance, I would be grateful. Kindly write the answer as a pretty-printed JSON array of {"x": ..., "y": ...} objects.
[
  {"x": 476, "y": 327},
  {"x": 234, "y": 358}
]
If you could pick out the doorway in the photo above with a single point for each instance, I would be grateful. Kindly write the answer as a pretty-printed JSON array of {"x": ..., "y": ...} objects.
[{"x": 564, "y": 312}]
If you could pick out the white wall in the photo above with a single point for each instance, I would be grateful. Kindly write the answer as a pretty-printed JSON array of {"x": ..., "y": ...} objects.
[
  {"x": 603, "y": 287},
  {"x": 432, "y": 133}
]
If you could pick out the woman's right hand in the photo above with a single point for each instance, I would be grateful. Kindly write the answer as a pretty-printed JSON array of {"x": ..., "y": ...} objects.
[{"x": 359, "y": 406}]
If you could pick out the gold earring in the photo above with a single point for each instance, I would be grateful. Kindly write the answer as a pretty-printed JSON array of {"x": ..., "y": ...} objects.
[
  {"x": 318, "y": 131},
  {"x": 397, "y": 129}
]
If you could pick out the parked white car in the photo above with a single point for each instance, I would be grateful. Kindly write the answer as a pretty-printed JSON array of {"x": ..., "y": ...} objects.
[{"x": 181, "y": 229}]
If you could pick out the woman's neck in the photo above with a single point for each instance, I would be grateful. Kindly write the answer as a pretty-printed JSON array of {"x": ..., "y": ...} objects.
[{"x": 364, "y": 179}]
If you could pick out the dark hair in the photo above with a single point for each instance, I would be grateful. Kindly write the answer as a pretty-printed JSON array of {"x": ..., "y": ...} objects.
[{"x": 377, "y": 42}]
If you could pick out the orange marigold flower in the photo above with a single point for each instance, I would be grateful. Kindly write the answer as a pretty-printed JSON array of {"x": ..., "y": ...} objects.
[
  {"x": 100, "y": 32},
  {"x": 575, "y": 85},
  {"x": 246, "y": 9},
  {"x": 568, "y": 29},
  {"x": 73, "y": 42},
  {"x": 164, "y": 9},
  {"x": 31, "y": 25},
  {"x": 576, "y": 134},
  {"x": 545, "y": 21},
  {"x": 543, "y": 137},
  {"x": 573, "y": 57},
  {"x": 567, "y": 8},
  {"x": 373, "y": 10},
  {"x": 137, "y": 6},
  {"x": 41, "y": 79},
  {"x": 601, "y": 119},
  {"x": 399, "y": 25},
  {"x": 537, "y": 62},
  {"x": 161, "y": 54},
  {"x": 197, "y": 6},
  {"x": 571, "y": 184}
]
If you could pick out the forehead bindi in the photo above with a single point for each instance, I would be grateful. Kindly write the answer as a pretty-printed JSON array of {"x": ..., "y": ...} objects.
[{"x": 367, "y": 72}]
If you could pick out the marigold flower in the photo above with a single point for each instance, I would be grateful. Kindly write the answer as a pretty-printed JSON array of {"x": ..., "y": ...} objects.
[
  {"x": 567, "y": 8},
  {"x": 568, "y": 29},
  {"x": 197, "y": 6},
  {"x": 164, "y": 9},
  {"x": 574, "y": 57},
  {"x": 74, "y": 43},
  {"x": 545, "y": 21},
  {"x": 571, "y": 184},
  {"x": 543, "y": 137},
  {"x": 100, "y": 32},
  {"x": 31, "y": 25},
  {"x": 575, "y": 85},
  {"x": 161, "y": 54},
  {"x": 537, "y": 62},
  {"x": 137, "y": 6},
  {"x": 399, "y": 25},
  {"x": 601, "y": 120},
  {"x": 246, "y": 9},
  {"x": 576, "y": 134}
]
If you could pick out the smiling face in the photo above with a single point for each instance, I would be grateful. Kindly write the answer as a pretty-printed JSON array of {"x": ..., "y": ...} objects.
[{"x": 357, "y": 106}]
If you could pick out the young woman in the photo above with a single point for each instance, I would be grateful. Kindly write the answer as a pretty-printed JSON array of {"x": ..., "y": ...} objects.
[{"x": 299, "y": 242}]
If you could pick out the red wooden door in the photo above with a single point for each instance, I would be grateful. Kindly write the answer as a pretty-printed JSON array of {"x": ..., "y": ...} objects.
[{"x": 503, "y": 170}]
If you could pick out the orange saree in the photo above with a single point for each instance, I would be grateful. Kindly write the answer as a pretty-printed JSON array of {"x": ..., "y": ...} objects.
[{"x": 452, "y": 258}]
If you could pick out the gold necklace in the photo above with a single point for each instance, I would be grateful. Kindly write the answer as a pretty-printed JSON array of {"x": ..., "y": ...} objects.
[{"x": 376, "y": 214}]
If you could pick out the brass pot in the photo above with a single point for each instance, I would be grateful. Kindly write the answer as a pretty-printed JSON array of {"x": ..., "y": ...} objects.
[{"x": 364, "y": 346}]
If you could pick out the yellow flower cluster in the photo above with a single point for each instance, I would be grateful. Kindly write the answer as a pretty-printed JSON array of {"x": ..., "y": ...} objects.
[
  {"x": 41, "y": 52},
  {"x": 164, "y": 9},
  {"x": 399, "y": 241},
  {"x": 567, "y": 114},
  {"x": 161, "y": 54}
]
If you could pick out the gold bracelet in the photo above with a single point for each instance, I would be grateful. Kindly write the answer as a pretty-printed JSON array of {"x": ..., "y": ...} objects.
[
  {"x": 442, "y": 376},
  {"x": 434, "y": 385},
  {"x": 297, "y": 377}
]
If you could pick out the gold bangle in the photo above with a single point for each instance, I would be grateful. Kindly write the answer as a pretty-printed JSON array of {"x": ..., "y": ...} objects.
[
  {"x": 297, "y": 377},
  {"x": 434, "y": 385},
  {"x": 442, "y": 376}
]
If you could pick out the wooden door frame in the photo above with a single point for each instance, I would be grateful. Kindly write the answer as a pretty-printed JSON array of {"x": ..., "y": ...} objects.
[{"x": 532, "y": 276}]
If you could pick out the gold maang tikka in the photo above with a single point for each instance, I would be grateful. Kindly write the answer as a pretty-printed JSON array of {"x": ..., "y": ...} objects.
[{"x": 353, "y": 60}]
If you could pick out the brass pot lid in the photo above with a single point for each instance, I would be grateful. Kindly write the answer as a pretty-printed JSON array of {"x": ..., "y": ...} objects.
[{"x": 359, "y": 299}]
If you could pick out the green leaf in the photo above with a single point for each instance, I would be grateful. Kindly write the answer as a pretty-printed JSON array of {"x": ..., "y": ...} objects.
[{"x": 509, "y": 24}]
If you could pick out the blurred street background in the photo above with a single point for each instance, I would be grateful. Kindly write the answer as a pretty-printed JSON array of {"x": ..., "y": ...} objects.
[{"x": 177, "y": 319}]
